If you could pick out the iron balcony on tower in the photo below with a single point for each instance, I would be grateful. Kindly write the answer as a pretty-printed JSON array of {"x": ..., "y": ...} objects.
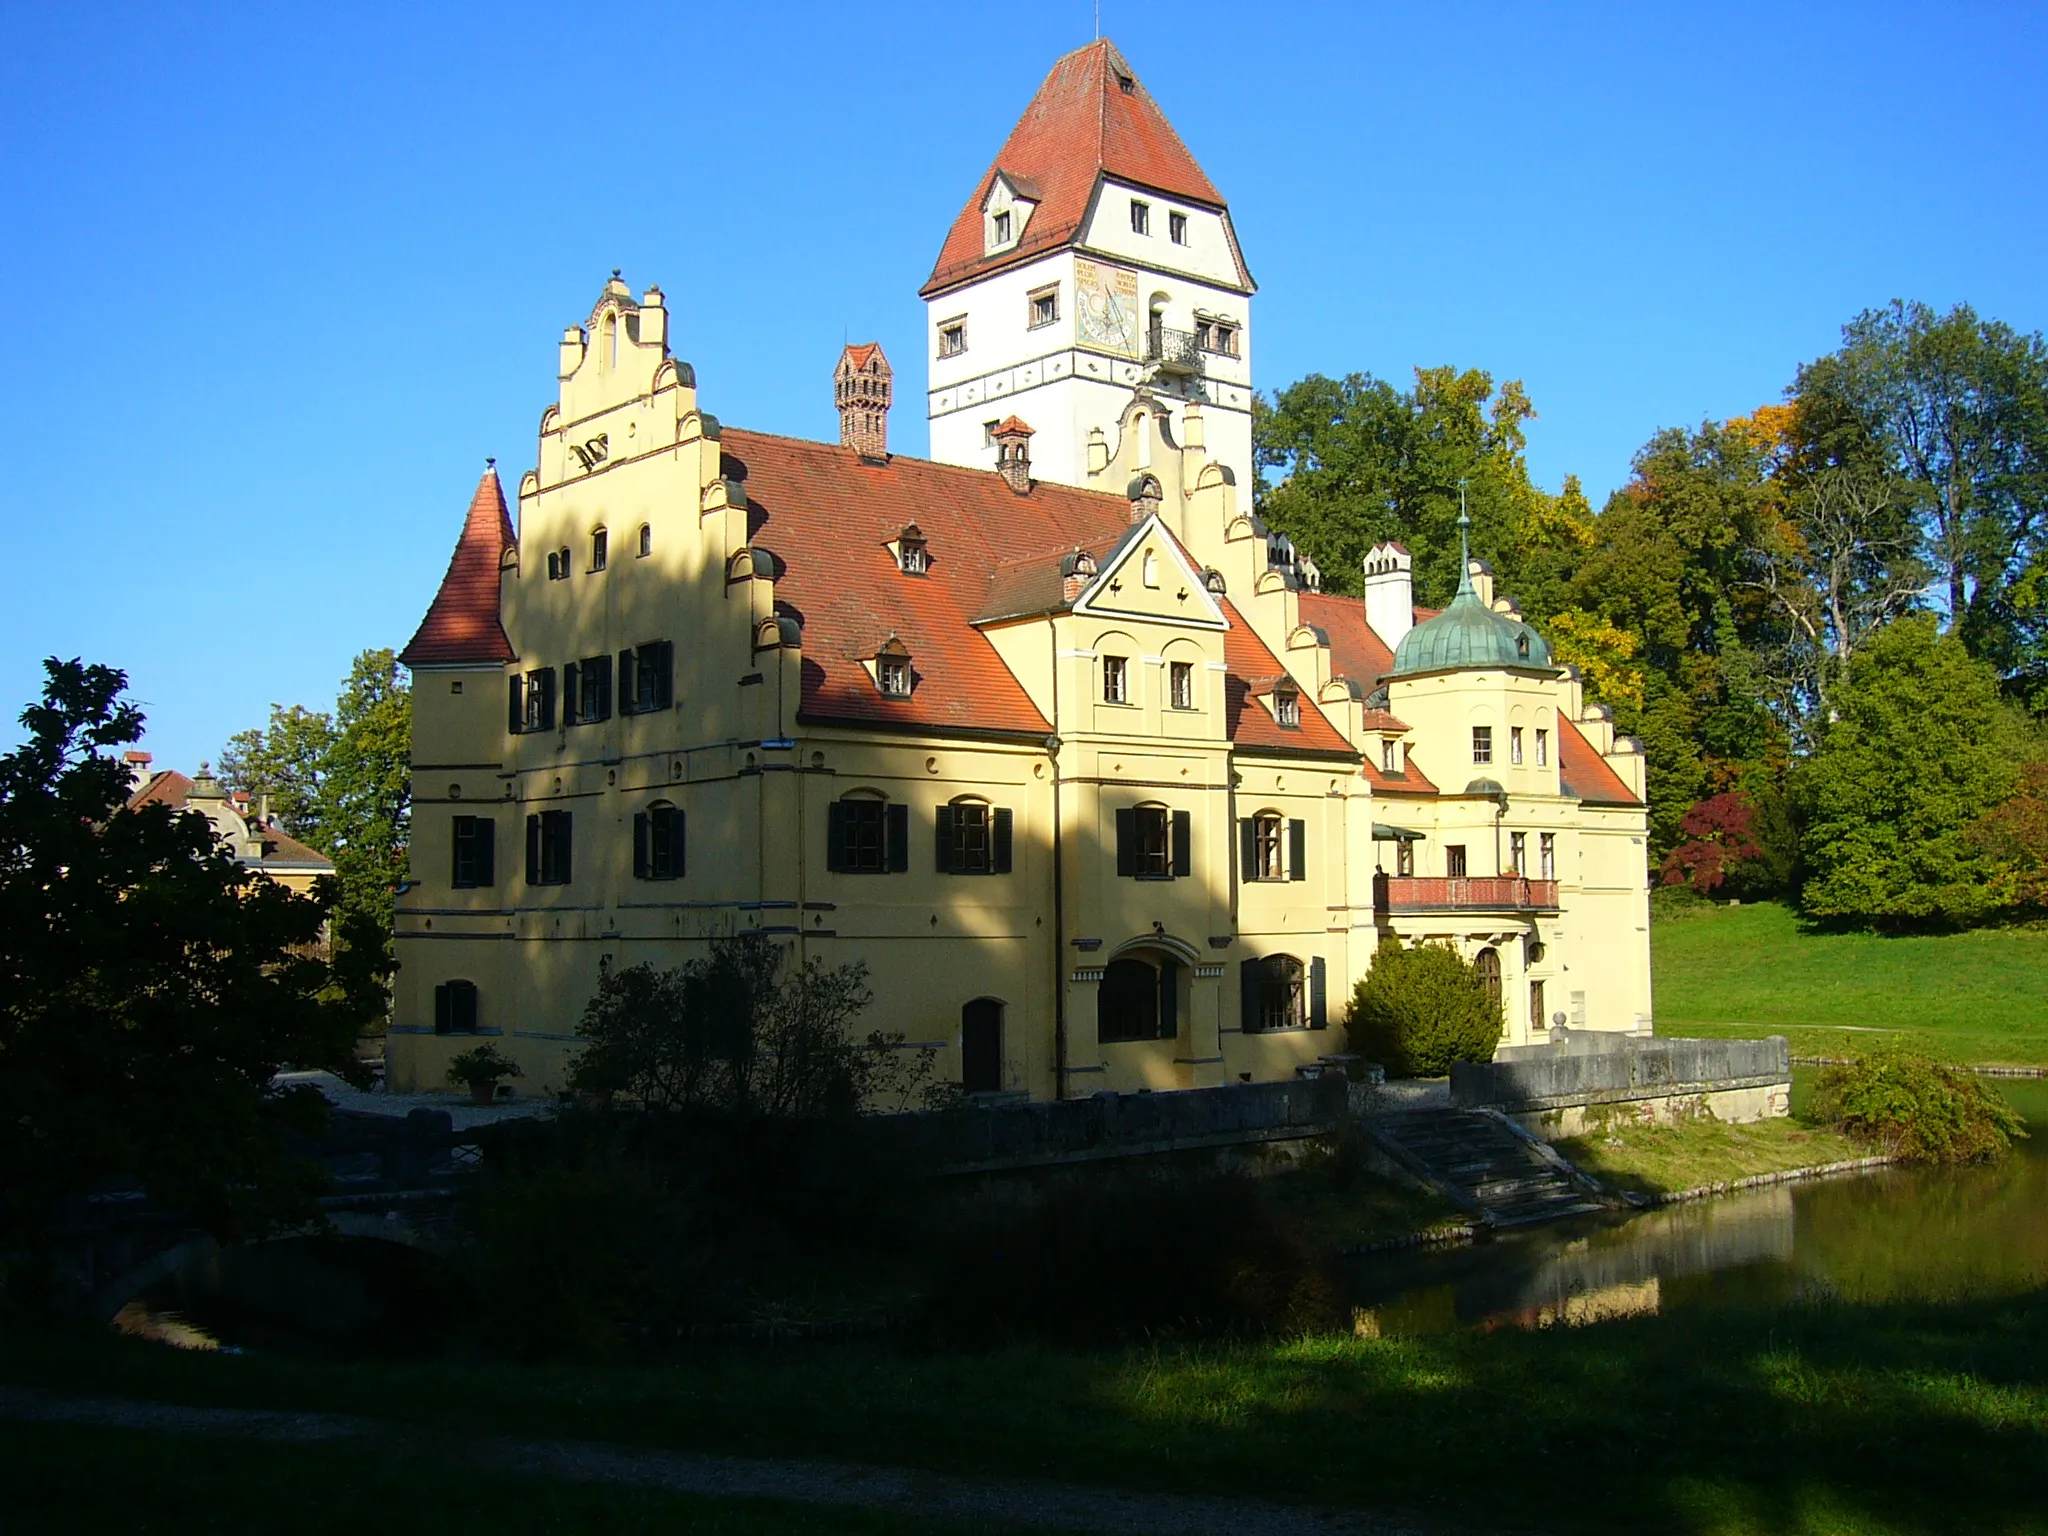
[
  {"x": 1173, "y": 351},
  {"x": 1400, "y": 894}
]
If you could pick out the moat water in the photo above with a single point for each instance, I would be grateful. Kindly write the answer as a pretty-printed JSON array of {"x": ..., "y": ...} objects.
[{"x": 1890, "y": 1234}]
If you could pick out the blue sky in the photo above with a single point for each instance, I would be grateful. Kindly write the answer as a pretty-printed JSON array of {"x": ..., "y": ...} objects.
[{"x": 278, "y": 280}]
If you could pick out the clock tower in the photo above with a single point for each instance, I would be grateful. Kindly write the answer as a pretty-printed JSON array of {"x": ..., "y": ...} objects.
[{"x": 1094, "y": 259}]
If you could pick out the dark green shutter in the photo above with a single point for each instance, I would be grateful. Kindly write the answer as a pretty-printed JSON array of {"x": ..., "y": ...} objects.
[
  {"x": 1297, "y": 850},
  {"x": 629, "y": 699},
  {"x": 601, "y": 668},
  {"x": 999, "y": 852},
  {"x": 533, "y": 850},
  {"x": 1183, "y": 844},
  {"x": 1318, "y": 994},
  {"x": 675, "y": 843},
  {"x": 1248, "y": 848},
  {"x": 443, "y": 1009},
  {"x": 1127, "y": 842},
  {"x": 643, "y": 847},
  {"x": 1249, "y": 976},
  {"x": 664, "y": 674},
  {"x": 835, "y": 835},
  {"x": 899, "y": 838},
  {"x": 515, "y": 714},
  {"x": 1169, "y": 999},
  {"x": 572, "y": 694},
  {"x": 486, "y": 856},
  {"x": 563, "y": 826},
  {"x": 545, "y": 678},
  {"x": 945, "y": 840}
]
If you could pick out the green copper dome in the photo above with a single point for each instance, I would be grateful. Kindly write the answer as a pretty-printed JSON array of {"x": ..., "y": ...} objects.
[{"x": 1468, "y": 634}]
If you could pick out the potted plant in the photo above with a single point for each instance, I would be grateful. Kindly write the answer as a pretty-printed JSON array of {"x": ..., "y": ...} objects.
[{"x": 480, "y": 1070}]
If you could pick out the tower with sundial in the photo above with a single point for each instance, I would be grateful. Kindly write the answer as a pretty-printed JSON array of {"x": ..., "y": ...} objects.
[{"x": 1094, "y": 261}]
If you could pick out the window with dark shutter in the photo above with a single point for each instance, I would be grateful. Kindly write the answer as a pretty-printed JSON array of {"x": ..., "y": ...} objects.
[
  {"x": 1318, "y": 994},
  {"x": 643, "y": 863},
  {"x": 475, "y": 861},
  {"x": 1183, "y": 844},
  {"x": 1250, "y": 983},
  {"x": 629, "y": 698},
  {"x": 899, "y": 839},
  {"x": 540, "y": 699},
  {"x": 965, "y": 837},
  {"x": 867, "y": 837},
  {"x": 516, "y": 713},
  {"x": 658, "y": 842},
  {"x": 547, "y": 848},
  {"x": 1297, "y": 850},
  {"x": 1283, "y": 1000},
  {"x": 455, "y": 1010},
  {"x": 587, "y": 691},
  {"x": 942, "y": 840},
  {"x": 1127, "y": 842},
  {"x": 1264, "y": 855},
  {"x": 664, "y": 673},
  {"x": 999, "y": 841},
  {"x": 572, "y": 693},
  {"x": 533, "y": 850},
  {"x": 646, "y": 678}
]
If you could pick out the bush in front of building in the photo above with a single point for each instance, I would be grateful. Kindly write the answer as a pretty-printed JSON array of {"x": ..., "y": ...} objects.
[
  {"x": 1418, "y": 1010},
  {"x": 1119, "y": 1256},
  {"x": 1915, "y": 1107}
]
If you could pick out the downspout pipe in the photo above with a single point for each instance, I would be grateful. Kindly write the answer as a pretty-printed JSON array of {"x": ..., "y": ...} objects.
[{"x": 1059, "y": 887}]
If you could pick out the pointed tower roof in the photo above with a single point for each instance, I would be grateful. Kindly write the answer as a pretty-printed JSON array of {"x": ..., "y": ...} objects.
[
  {"x": 462, "y": 622},
  {"x": 1090, "y": 118}
]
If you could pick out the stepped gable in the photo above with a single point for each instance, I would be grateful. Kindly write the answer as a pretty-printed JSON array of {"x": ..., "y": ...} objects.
[
  {"x": 1583, "y": 772},
  {"x": 827, "y": 516},
  {"x": 1083, "y": 124},
  {"x": 462, "y": 623}
]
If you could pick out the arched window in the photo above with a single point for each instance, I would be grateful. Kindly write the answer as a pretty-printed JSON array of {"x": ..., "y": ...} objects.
[
  {"x": 981, "y": 1046},
  {"x": 600, "y": 549},
  {"x": 1139, "y": 998},
  {"x": 973, "y": 838},
  {"x": 646, "y": 541},
  {"x": 608, "y": 342},
  {"x": 1486, "y": 966},
  {"x": 561, "y": 563},
  {"x": 1284, "y": 992},
  {"x": 658, "y": 842},
  {"x": 455, "y": 1011}
]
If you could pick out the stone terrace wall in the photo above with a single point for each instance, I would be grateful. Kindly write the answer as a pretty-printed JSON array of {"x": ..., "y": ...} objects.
[
  {"x": 986, "y": 1138},
  {"x": 1735, "y": 1080}
]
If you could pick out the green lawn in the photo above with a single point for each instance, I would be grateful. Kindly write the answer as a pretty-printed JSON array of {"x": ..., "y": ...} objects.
[
  {"x": 1866, "y": 1420},
  {"x": 1665, "y": 1159},
  {"x": 1980, "y": 996}
]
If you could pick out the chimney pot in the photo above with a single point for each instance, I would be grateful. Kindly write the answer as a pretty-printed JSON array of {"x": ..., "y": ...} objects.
[
  {"x": 862, "y": 386},
  {"x": 1013, "y": 454}
]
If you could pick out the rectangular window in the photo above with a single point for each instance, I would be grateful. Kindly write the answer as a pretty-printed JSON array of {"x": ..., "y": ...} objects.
[
  {"x": 1114, "y": 675},
  {"x": 1180, "y": 684},
  {"x": 475, "y": 853},
  {"x": 1404, "y": 858},
  {"x": 1518, "y": 852},
  {"x": 647, "y": 678},
  {"x": 1045, "y": 307},
  {"x": 600, "y": 550},
  {"x": 1287, "y": 710},
  {"x": 540, "y": 700},
  {"x": 1216, "y": 336},
  {"x": 1390, "y": 755},
  {"x": 1153, "y": 843},
  {"x": 658, "y": 842},
  {"x": 1542, "y": 748},
  {"x": 1536, "y": 1018},
  {"x": 892, "y": 674},
  {"x": 1002, "y": 227},
  {"x": 455, "y": 1010},
  {"x": 1454, "y": 861},
  {"x": 865, "y": 836},
  {"x": 953, "y": 338},
  {"x": 1267, "y": 854},
  {"x": 1515, "y": 745},
  {"x": 1177, "y": 228},
  {"x": 1482, "y": 743},
  {"x": 547, "y": 848},
  {"x": 587, "y": 691},
  {"x": 1546, "y": 853},
  {"x": 1141, "y": 217},
  {"x": 973, "y": 839}
]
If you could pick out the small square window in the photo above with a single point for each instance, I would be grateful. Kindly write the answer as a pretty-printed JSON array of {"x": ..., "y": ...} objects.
[
  {"x": 1002, "y": 227},
  {"x": 1180, "y": 683},
  {"x": 953, "y": 338},
  {"x": 1482, "y": 743},
  {"x": 1114, "y": 679},
  {"x": 1287, "y": 709},
  {"x": 892, "y": 673},
  {"x": 1177, "y": 228},
  {"x": 1045, "y": 307},
  {"x": 1454, "y": 861},
  {"x": 1141, "y": 217}
]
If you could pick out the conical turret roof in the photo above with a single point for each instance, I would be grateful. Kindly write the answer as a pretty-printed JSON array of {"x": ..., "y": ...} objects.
[{"x": 462, "y": 623}]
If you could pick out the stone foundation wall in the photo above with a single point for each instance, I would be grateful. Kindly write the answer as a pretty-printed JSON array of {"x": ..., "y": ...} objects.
[{"x": 1588, "y": 1082}]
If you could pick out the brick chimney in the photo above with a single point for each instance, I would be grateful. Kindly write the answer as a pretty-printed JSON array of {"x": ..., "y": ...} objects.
[
  {"x": 1013, "y": 454},
  {"x": 861, "y": 385}
]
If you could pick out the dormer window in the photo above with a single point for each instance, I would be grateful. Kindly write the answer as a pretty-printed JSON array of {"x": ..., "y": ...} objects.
[
  {"x": 892, "y": 670},
  {"x": 1128, "y": 84},
  {"x": 1390, "y": 755},
  {"x": 999, "y": 228},
  {"x": 913, "y": 555},
  {"x": 1287, "y": 708},
  {"x": 953, "y": 337},
  {"x": 1177, "y": 228},
  {"x": 1141, "y": 217}
]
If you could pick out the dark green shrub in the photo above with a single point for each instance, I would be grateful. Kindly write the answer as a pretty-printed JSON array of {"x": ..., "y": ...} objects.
[
  {"x": 1418, "y": 1010},
  {"x": 1119, "y": 1257},
  {"x": 481, "y": 1066},
  {"x": 1916, "y": 1107}
]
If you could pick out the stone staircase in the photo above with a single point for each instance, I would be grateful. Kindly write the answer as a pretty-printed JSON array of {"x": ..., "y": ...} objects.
[{"x": 1485, "y": 1165}]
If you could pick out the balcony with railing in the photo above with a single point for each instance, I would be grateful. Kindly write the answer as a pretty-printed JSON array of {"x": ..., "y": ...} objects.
[
  {"x": 1173, "y": 351},
  {"x": 1480, "y": 893}
]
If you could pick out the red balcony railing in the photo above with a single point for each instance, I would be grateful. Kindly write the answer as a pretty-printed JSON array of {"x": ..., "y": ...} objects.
[{"x": 1484, "y": 893}]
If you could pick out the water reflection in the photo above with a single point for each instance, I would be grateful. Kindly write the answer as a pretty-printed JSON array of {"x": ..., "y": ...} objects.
[{"x": 1897, "y": 1233}]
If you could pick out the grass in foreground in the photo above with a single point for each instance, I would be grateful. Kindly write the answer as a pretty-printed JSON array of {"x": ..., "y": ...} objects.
[
  {"x": 1665, "y": 1159},
  {"x": 1980, "y": 997},
  {"x": 69, "y": 1478},
  {"x": 1890, "y": 1420}
]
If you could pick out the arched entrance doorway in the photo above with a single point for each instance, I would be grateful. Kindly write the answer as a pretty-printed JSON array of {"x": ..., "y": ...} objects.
[{"x": 1139, "y": 997}]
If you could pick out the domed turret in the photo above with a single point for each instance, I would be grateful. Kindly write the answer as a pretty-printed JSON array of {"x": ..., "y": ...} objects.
[{"x": 1468, "y": 634}]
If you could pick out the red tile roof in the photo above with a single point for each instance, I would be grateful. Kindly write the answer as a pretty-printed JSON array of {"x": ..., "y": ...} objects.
[
  {"x": 462, "y": 622},
  {"x": 1355, "y": 651},
  {"x": 173, "y": 789},
  {"x": 1583, "y": 772},
  {"x": 167, "y": 788},
  {"x": 857, "y": 353},
  {"x": 1083, "y": 124},
  {"x": 1247, "y": 720}
]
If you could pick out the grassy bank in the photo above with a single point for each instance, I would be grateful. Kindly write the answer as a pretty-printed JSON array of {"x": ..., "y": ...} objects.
[
  {"x": 1981, "y": 996},
  {"x": 1899, "y": 1419},
  {"x": 1665, "y": 1159}
]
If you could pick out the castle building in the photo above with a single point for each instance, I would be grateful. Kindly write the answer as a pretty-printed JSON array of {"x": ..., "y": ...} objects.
[{"x": 1047, "y": 729}]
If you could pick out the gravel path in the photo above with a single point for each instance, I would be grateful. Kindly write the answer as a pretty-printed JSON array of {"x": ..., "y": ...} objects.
[{"x": 1052, "y": 1506}]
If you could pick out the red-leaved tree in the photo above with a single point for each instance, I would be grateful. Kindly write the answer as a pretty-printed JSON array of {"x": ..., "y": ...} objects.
[{"x": 1716, "y": 837}]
